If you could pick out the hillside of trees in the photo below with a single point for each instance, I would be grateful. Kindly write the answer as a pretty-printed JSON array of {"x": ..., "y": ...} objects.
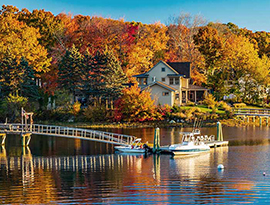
[{"x": 46, "y": 59}]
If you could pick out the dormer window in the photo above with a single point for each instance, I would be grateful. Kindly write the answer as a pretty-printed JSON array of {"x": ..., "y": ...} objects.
[{"x": 162, "y": 69}]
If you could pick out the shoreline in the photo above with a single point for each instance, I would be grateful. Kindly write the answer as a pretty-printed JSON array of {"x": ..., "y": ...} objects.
[{"x": 225, "y": 122}]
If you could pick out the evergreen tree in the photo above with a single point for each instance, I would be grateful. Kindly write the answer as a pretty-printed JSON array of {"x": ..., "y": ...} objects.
[
  {"x": 70, "y": 70},
  {"x": 17, "y": 77},
  {"x": 103, "y": 76},
  {"x": 114, "y": 76}
]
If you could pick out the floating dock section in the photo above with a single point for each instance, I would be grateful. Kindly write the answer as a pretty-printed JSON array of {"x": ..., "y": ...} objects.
[{"x": 219, "y": 141}]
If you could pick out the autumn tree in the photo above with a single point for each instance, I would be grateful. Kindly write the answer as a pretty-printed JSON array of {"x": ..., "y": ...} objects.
[
  {"x": 134, "y": 105},
  {"x": 46, "y": 23},
  {"x": 182, "y": 48},
  {"x": 149, "y": 47},
  {"x": 20, "y": 40}
]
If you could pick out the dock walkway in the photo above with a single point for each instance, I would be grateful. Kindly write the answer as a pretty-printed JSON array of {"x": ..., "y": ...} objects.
[{"x": 67, "y": 132}]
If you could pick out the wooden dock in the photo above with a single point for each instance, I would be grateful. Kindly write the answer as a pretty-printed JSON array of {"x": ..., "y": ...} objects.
[
  {"x": 213, "y": 144},
  {"x": 67, "y": 132}
]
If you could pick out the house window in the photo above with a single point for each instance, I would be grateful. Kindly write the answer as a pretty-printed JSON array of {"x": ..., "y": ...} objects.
[
  {"x": 162, "y": 69},
  {"x": 171, "y": 81},
  {"x": 165, "y": 94},
  {"x": 163, "y": 79},
  {"x": 142, "y": 81},
  {"x": 177, "y": 96},
  {"x": 176, "y": 81}
]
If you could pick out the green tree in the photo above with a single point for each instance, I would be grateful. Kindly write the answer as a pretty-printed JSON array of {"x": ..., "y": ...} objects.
[
  {"x": 18, "y": 77},
  {"x": 70, "y": 71},
  {"x": 114, "y": 77}
]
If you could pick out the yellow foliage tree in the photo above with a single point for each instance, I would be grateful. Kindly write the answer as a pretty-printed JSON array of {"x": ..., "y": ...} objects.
[{"x": 20, "y": 40}]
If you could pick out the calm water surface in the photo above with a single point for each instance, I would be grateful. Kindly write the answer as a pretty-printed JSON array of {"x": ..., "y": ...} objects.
[{"x": 67, "y": 171}]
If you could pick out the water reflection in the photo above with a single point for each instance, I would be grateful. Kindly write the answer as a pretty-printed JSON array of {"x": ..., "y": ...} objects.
[{"x": 66, "y": 171}]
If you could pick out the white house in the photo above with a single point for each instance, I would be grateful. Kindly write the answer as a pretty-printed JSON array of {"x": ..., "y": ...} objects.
[{"x": 169, "y": 83}]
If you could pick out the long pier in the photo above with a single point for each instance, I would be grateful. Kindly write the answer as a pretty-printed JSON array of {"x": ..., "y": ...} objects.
[
  {"x": 253, "y": 113},
  {"x": 68, "y": 132}
]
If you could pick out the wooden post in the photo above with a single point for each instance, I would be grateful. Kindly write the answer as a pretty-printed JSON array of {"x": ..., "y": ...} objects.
[
  {"x": 253, "y": 119},
  {"x": 260, "y": 121},
  {"x": 219, "y": 132},
  {"x": 3, "y": 138},
  {"x": 266, "y": 121},
  {"x": 156, "y": 146},
  {"x": 25, "y": 139}
]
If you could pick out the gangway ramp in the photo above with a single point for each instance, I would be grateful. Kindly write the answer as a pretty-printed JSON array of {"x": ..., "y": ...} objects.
[{"x": 67, "y": 132}]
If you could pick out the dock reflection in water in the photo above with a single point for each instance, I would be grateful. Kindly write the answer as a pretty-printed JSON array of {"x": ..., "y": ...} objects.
[
  {"x": 118, "y": 178},
  {"x": 68, "y": 171}
]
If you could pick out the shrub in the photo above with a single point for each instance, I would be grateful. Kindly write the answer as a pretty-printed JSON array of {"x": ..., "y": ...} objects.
[
  {"x": 76, "y": 108},
  {"x": 11, "y": 107},
  {"x": 95, "y": 114},
  {"x": 224, "y": 106},
  {"x": 175, "y": 109},
  {"x": 210, "y": 101},
  {"x": 189, "y": 103},
  {"x": 239, "y": 105}
]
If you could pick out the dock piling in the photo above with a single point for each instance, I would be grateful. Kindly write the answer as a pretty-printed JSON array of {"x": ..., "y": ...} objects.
[
  {"x": 156, "y": 147},
  {"x": 3, "y": 138},
  {"x": 26, "y": 139},
  {"x": 219, "y": 132}
]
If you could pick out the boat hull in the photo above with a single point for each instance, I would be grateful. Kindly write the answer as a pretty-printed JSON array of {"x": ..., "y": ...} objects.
[
  {"x": 186, "y": 149},
  {"x": 129, "y": 149},
  {"x": 189, "y": 152}
]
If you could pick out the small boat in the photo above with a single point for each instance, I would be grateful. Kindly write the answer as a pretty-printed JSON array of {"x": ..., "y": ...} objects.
[
  {"x": 191, "y": 144},
  {"x": 188, "y": 148},
  {"x": 135, "y": 147}
]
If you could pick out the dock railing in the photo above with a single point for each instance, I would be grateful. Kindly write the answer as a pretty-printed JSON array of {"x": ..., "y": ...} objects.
[
  {"x": 69, "y": 132},
  {"x": 252, "y": 112}
]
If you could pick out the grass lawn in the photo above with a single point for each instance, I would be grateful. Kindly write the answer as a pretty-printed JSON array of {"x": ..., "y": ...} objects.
[{"x": 203, "y": 108}]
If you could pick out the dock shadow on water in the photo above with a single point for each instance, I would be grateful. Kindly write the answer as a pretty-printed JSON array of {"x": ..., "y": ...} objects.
[{"x": 69, "y": 171}]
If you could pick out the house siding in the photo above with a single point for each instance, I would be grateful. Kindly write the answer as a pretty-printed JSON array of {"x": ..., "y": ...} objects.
[
  {"x": 156, "y": 72},
  {"x": 156, "y": 94}
]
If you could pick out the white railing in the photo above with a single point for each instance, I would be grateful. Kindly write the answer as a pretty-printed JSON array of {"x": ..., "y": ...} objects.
[
  {"x": 60, "y": 131},
  {"x": 255, "y": 112}
]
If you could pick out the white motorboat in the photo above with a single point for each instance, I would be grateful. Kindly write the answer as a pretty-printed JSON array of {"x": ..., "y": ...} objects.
[
  {"x": 191, "y": 144},
  {"x": 135, "y": 147},
  {"x": 188, "y": 148}
]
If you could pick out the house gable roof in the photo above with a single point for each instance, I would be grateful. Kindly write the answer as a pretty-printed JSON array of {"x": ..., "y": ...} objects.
[
  {"x": 167, "y": 87},
  {"x": 182, "y": 68},
  {"x": 146, "y": 73},
  {"x": 179, "y": 68}
]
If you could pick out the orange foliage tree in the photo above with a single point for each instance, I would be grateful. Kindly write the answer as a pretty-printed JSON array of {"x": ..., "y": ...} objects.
[
  {"x": 20, "y": 40},
  {"x": 135, "y": 105}
]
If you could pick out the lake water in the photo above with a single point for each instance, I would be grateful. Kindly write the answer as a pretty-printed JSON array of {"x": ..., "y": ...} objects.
[{"x": 68, "y": 171}]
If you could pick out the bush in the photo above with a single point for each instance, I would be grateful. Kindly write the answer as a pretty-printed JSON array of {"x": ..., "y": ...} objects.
[
  {"x": 175, "y": 109},
  {"x": 239, "y": 105},
  {"x": 225, "y": 106},
  {"x": 11, "y": 107},
  {"x": 210, "y": 101},
  {"x": 95, "y": 114},
  {"x": 189, "y": 103},
  {"x": 76, "y": 108}
]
